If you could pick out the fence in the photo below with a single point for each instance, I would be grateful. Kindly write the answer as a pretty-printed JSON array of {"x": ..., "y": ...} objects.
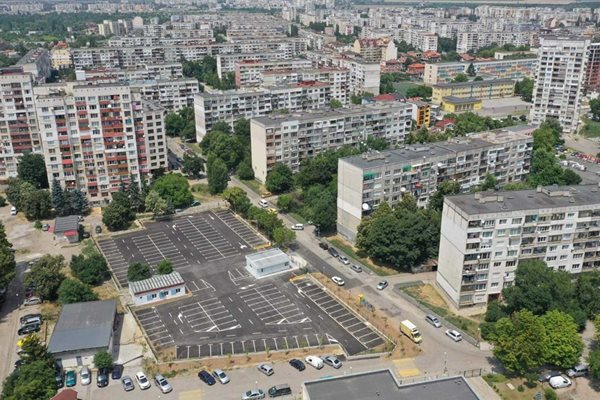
[
  {"x": 470, "y": 373},
  {"x": 444, "y": 321}
]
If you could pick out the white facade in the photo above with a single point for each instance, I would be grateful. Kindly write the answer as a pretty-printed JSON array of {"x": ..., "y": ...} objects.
[
  {"x": 485, "y": 235},
  {"x": 157, "y": 288},
  {"x": 559, "y": 81}
]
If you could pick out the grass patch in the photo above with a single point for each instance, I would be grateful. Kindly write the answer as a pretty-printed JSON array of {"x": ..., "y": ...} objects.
[
  {"x": 590, "y": 128},
  {"x": 201, "y": 192},
  {"x": 349, "y": 250},
  {"x": 195, "y": 147},
  {"x": 521, "y": 391},
  {"x": 298, "y": 217},
  {"x": 422, "y": 294},
  {"x": 254, "y": 185},
  {"x": 402, "y": 87}
]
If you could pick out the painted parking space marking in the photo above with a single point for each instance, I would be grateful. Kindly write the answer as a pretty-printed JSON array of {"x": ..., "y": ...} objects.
[
  {"x": 209, "y": 315},
  {"x": 271, "y": 306},
  {"x": 154, "y": 327},
  {"x": 241, "y": 228}
]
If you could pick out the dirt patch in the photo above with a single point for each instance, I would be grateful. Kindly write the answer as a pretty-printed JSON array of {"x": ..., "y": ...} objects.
[
  {"x": 517, "y": 389},
  {"x": 427, "y": 293}
]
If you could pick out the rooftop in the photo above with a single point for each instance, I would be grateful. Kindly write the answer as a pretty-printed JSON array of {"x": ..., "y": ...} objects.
[
  {"x": 416, "y": 153},
  {"x": 66, "y": 224},
  {"x": 382, "y": 385},
  {"x": 81, "y": 326},
  {"x": 474, "y": 83},
  {"x": 267, "y": 258},
  {"x": 460, "y": 100},
  {"x": 532, "y": 199},
  {"x": 156, "y": 282}
]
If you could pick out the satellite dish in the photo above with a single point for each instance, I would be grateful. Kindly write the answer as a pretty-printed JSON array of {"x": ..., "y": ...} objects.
[{"x": 366, "y": 207}]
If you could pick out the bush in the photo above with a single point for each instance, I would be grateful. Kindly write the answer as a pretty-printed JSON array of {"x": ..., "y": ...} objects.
[
  {"x": 531, "y": 380},
  {"x": 103, "y": 359},
  {"x": 74, "y": 291},
  {"x": 37, "y": 224},
  {"x": 164, "y": 267},
  {"x": 2, "y": 201},
  {"x": 92, "y": 269},
  {"x": 550, "y": 394}
]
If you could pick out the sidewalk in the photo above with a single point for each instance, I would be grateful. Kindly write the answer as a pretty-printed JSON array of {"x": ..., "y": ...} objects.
[{"x": 482, "y": 389}]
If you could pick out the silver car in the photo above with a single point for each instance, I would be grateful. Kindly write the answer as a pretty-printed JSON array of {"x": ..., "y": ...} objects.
[
  {"x": 253, "y": 394},
  {"x": 220, "y": 376},
  {"x": 127, "y": 383},
  {"x": 162, "y": 383},
  {"x": 433, "y": 320},
  {"x": 332, "y": 361},
  {"x": 266, "y": 369}
]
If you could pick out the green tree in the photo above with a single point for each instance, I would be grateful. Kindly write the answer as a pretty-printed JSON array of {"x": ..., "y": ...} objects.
[
  {"x": 283, "y": 236},
  {"x": 594, "y": 361},
  {"x": 138, "y": 271},
  {"x": 35, "y": 203},
  {"x": 377, "y": 143},
  {"x": 419, "y": 91},
  {"x": 588, "y": 295},
  {"x": 118, "y": 215},
  {"x": 446, "y": 44},
  {"x": 519, "y": 342},
  {"x": 335, "y": 104},
  {"x": 8, "y": 266},
  {"x": 103, "y": 359},
  {"x": 174, "y": 188},
  {"x": 174, "y": 124},
  {"x": 460, "y": 78},
  {"x": 136, "y": 196},
  {"x": 241, "y": 130},
  {"x": 91, "y": 269},
  {"x": 563, "y": 345},
  {"x": 238, "y": 200},
  {"x": 244, "y": 170},
  {"x": 33, "y": 350},
  {"x": 320, "y": 206},
  {"x": 74, "y": 291},
  {"x": 45, "y": 276},
  {"x": 471, "y": 70},
  {"x": 217, "y": 174},
  {"x": 446, "y": 188},
  {"x": 570, "y": 177},
  {"x": 355, "y": 99},
  {"x": 193, "y": 165},
  {"x": 489, "y": 183},
  {"x": 595, "y": 109},
  {"x": 57, "y": 197},
  {"x": 279, "y": 179},
  {"x": 164, "y": 267},
  {"x": 32, "y": 169},
  {"x": 284, "y": 202},
  {"x": 156, "y": 204},
  {"x": 34, "y": 380},
  {"x": 524, "y": 89},
  {"x": 223, "y": 145}
]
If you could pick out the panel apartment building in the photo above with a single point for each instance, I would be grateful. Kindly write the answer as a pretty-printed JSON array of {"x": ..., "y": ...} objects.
[
  {"x": 249, "y": 72},
  {"x": 95, "y": 137},
  {"x": 485, "y": 235},
  {"x": 366, "y": 181},
  {"x": 497, "y": 69},
  {"x": 559, "y": 81},
  {"x": 291, "y": 138},
  {"x": 229, "y": 106}
]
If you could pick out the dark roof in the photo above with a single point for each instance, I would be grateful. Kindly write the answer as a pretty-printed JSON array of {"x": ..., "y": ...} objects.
[
  {"x": 460, "y": 100},
  {"x": 81, "y": 326},
  {"x": 474, "y": 83},
  {"x": 382, "y": 385},
  {"x": 65, "y": 224}
]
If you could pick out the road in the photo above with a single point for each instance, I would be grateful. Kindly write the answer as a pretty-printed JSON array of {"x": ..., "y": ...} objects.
[{"x": 439, "y": 353}]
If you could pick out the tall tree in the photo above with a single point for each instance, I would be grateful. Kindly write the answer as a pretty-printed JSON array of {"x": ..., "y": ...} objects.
[
  {"x": 193, "y": 165},
  {"x": 32, "y": 169},
  {"x": 138, "y": 271},
  {"x": 238, "y": 200},
  {"x": 57, "y": 196},
  {"x": 563, "y": 345},
  {"x": 8, "y": 266},
  {"x": 74, "y": 291},
  {"x": 279, "y": 179},
  {"x": 446, "y": 188},
  {"x": 36, "y": 204},
  {"x": 92, "y": 269},
  {"x": 174, "y": 188},
  {"x": 217, "y": 174},
  {"x": 136, "y": 197},
  {"x": 471, "y": 70},
  {"x": 45, "y": 276},
  {"x": 156, "y": 204}
]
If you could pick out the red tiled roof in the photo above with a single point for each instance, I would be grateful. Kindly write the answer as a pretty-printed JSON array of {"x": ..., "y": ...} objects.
[{"x": 66, "y": 394}]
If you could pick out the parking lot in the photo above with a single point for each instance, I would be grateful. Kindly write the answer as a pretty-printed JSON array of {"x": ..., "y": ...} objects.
[{"x": 227, "y": 311}]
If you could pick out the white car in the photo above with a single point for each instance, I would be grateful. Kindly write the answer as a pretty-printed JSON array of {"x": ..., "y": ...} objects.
[
  {"x": 297, "y": 227},
  {"x": 315, "y": 361},
  {"x": 558, "y": 382},
  {"x": 86, "y": 376},
  {"x": 454, "y": 335},
  {"x": 338, "y": 281},
  {"x": 382, "y": 285},
  {"x": 141, "y": 379},
  {"x": 253, "y": 394},
  {"x": 221, "y": 376},
  {"x": 344, "y": 260}
]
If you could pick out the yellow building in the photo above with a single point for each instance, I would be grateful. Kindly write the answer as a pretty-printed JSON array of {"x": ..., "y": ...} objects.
[
  {"x": 452, "y": 104},
  {"x": 485, "y": 90},
  {"x": 421, "y": 113}
]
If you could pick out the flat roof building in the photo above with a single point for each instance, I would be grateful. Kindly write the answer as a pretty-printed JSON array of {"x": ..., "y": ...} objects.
[
  {"x": 485, "y": 235},
  {"x": 383, "y": 385},
  {"x": 157, "y": 288},
  {"x": 267, "y": 262},
  {"x": 488, "y": 89}
]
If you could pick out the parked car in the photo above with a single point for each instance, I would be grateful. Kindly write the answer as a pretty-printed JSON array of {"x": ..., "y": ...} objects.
[
  {"x": 272, "y": 210},
  {"x": 59, "y": 378},
  {"x": 102, "y": 378},
  {"x": 117, "y": 371},
  {"x": 98, "y": 229},
  {"x": 279, "y": 390},
  {"x": 45, "y": 227},
  {"x": 338, "y": 281},
  {"x": 31, "y": 319},
  {"x": 71, "y": 378},
  {"x": 332, "y": 361},
  {"x": 382, "y": 285},
  {"x": 299, "y": 365},
  {"x": 344, "y": 260},
  {"x": 433, "y": 320},
  {"x": 85, "y": 235},
  {"x": 356, "y": 268},
  {"x": 264, "y": 195},
  {"x": 32, "y": 301},
  {"x": 195, "y": 203},
  {"x": 85, "y": 375},
  {"x": 578, "y": 370},
  {"x": 334, "y": 252},
  {"x": 26, "y": 329},
  {"x": 315, "y": 361},
  {"x": 323, "y": 245},
  {"x": 221, "y": 376},
  {"x": 162, "y": 383},
  {"x": 558, "y": 382},
  {"x": 297, "y": 227},
  {"x": 454, "y": 335},
  {"x": 18, "y": 363},
  {"x": 206, "y": 378},
  {"x": 142, "y": 381},
  {"x": 546, "y": 375},
  {"x": 253, "y": 394},
  {"x": 265, "y": 369},
  {"x": 127, "y": 383}
]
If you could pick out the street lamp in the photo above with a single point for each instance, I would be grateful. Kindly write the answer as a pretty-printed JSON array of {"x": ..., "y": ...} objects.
[{"x": 445, "y": 362}]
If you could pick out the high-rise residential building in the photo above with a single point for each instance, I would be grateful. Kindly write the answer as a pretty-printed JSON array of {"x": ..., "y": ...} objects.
[
  {"x": 96, "y": 136},
  {"x": 559, "y": 81},
  {"x": 338, "y": 78},
  {"x": 249, "y": 72},
  {"x": 375, "y": 50},
  {"x": 365, "y": 77},
  {"x": 592, "y": 71},
  {"x": 61, "y": 56},
  {"x": 473, "y": 41},
  {"x": 18, "y": 122},
  {"x": 484, "y": 236},
  {"x": 291, "y": 138},
  {"x": 366, "y": 181},
  {"x": 36, "y": 62}
]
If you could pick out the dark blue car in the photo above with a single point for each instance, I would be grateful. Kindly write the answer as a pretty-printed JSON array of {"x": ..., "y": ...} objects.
[
  {"x": 206, "y": 378},
  {"x": 299, "y": 365}
]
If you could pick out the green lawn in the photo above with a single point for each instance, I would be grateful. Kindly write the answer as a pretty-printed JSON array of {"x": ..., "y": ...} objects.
[
  {"x": 195, "y": 147},
  {"x": 402, "y": 87},
  {"x": 298, "y": 217},
  {"x": 254, "y": 185},
  {"x": 590, "y": 128},
  {"x": 350, "y": 251}
]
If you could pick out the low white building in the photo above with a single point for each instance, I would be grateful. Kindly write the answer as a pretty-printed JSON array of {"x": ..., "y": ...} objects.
[
  {"x": 267, "y": 262},
  {"x": 157, "y": 288}
]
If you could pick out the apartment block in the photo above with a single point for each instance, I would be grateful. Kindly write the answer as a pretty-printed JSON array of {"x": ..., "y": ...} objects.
[
  {"x": 60, "y": 56},
  {"x": 338, "y": 78},
  {"x": 18, "y": 121},
  {"x": 484, "y": 90},
  {"x": 248, "y": 72},
  {"x": 364, "y": 76},
  {"x": 484, "y": 236},
  {"x": 36, "y": 62},
  {"x": 473, "y": 41},
  {"x": 592, "y": 72},
  {"x": 559, "y": 81},
  {"x": 365, "y": 181},
  {"x": 227, "y": 62},
  {"x": 497, "y": 69},
  {"x": 291, "y": 138},
  {"x": 141, "y": 72},
  {"x": 229, "y": 106},
  {"x": 95, "y": 137},
  {"x": 376, "y": 50}
]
